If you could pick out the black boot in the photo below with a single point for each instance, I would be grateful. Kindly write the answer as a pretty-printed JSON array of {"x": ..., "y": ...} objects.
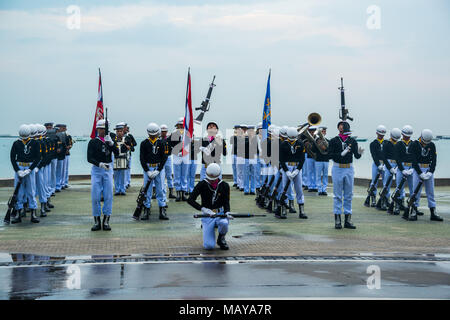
[
  {"x": 374, "y": 201},
  {"x": 419, "y": 213},
  {"x": 183, "y": 196},
  {"x": 301, "y": 211},
  {"x": 15, "y": 217},
  {"x": 46, "y": 208},
  {"x": 283, "y": 211},
  {"x": 97, "y": 225},
  {"x": 23, "y": 213},
  {"x": 178, "y": 198},
  {"x": 162, "y": 214},
  {"x": 43, "y": 212},
  {"x": 171, "y": 195},
  {"x": 434, "y": 216},
  {"x": 277, "y": 210},
  {"x": 337, "y": 221},
  {"x": 292, "y": 207},
  {"x": 221, "y": 242},
  {"x": 405, "y": 213},
  {"x": 106, "y": 225},
  {"x": 49, "y": 205},
  {"x": 413, "y": 214},
  {"x": 396, "y": 209},
  {"x": 146, "y": 214},
  {"x": 34, "y": 218},
  {"x": 402, "y": 205},
  {"x": 269, "y": 206},
  {"x": 348, "y": 222},
  {"x": 384, "y": 204}
]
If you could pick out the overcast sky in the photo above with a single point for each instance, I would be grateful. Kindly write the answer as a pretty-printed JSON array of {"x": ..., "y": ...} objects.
[{"x": 396, "y": 75}]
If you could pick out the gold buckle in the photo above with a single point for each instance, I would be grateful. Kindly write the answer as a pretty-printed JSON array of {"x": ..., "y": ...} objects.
[
  {"x": 424, "y": 165},
  {"x": 344, "y": 165},
  {"x": 408, "y": 164}
]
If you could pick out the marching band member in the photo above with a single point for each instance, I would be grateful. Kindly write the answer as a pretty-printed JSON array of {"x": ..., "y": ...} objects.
[
  {"x": 130, "y": 138},
  {"x": 311, "y": 166},
  {"x": 99, "y": 154},
  {"x": 342, "y": 149},
  {"x": 424, "y": 164},
  {"x": 168, "y": 174},
  {"x": 215, "y": 198},
  {"x": 180, "y": 162},
  {"x": 321, "y": 166},
  {"x": 153, "y": 158},
  {"x": 120, "y": 161}
]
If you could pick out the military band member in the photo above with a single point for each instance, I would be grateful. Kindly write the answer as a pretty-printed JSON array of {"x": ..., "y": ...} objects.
[
  {"x": 120, "y": 161},
  {"x": 290, "y": 191},
  {"x": 250, "y": 156},
  {"x": 153, "y": 158},
  {"x": 342, "y": 149},
  {"x": 180, "y": 162},
  {"x": 99, "y": 154},
  {"x": 391, "y": 164},
  {"x": 60, "y": 155},
  {"x": 291, "y": 162},
  {"x": 25, "y": 158},
  {"x": 213, "y": 147},
  {"x": 53, "y": 140},
  {"x": 321, "y": 166},
  {"x": 424, "y": 165},
  {"x": 404, "y": 159},
  {"x": 311, "y": 167},
  {"x": 377, "y": 151},
  {"x": 48, "y": 163},
  {"x": 215, "y": 198},
  {"x": 168, "y": 172}
]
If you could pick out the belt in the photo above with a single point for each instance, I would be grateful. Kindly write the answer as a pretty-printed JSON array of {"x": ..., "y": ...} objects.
[
  {"x": 153, "y": 165},
  {"x": 343, "y": 165},
  {"x": 292, "y": 163},
  {"x": 408, "y": 164},
  {"x": 392, "y": 161},
  {"x": 424, "y": 165},
  {"x": 24, "y": 164}
]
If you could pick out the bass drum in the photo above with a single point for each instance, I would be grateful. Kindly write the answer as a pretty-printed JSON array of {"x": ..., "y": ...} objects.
[{"x": 120, "y": 163}]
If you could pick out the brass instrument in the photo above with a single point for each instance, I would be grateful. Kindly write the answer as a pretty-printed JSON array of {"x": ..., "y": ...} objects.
[{"x": 316, "y": 138}]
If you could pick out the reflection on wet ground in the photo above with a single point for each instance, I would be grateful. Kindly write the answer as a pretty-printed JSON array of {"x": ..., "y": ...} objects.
[{"x": 24, "y": 276}]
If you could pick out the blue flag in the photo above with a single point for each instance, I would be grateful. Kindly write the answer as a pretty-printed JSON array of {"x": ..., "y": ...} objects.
[{"x": 266, "y": 120}]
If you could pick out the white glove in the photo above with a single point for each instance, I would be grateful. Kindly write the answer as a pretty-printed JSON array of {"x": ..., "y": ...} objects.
[
  {"x": 36, "y": 169},
  {"x": 108, "y": 140},
  {"x": 103, "y": 165},
  {"x": 154, "y": 173},
  {"x": 429, "y": 174},
  {"x": 20, "y": 173},
  {"x": 208, "y": 211},
  {"x": 26, "y": 172},
  {"x": 347, "y": 150},
  {"x": 381, "y": 167},
  {"x": 424, "y": 176},
  {"x": 360, "y": 150},
  {"x": 206, "y": 151},
  {"x": 149, "y": 174},
  {"x": 289, "y": 175},
  {"x": 295, "y": 173},
  {"x": 393, "y": 171},
  {"x": 410, "y": 171},
  {"x": 229, "y": 216},
  {"x": 406, "y": 173}
]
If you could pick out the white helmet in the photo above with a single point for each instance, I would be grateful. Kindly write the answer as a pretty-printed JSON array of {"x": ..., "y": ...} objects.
[
  {"x": 24, "y": 131},
  {"x": 426, "y": 136},
  {"x": 381, "y": 130},
  {"x": 407, "y": 131},
  {"x": 153, "y": 129},
  {"x": 33, "y": 130},
  {"x": 271, "y": 128},
  {"x": 292, "y": 133},
  {"x": 101, "y": 124},
  {"x": 42, "y": 130},
  {"x": 259, "y": 126},
  {"x": 164, "y": 127},
  {"x": 180, "y": 121},
  {"x": 213, "y": 171},
  {"x": 396, "y": 134},
  {"x": 283, "y": 131}
]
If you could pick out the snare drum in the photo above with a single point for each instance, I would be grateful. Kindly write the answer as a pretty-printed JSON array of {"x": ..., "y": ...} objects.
[{"x": 120, "y": 163}]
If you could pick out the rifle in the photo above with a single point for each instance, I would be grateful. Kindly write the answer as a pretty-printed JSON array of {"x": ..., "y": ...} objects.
[
  {"x": 205, "y": 103},
  {"x": 140, "y": 200},
  {"x": 274, "y": 194},
  {"x": 396, "y": 195},
  {"x": 343, "y": 112},
  {"x": 234, "y": 215},
  {"x": 411, "y": 200},
  {"x": 383, "y": 193},
  {"x": 265, "y": 190},
  {"x": 372, "y": 188},
  {"x": 282, "y": 201},
  {"x": 12, "y": 203}
]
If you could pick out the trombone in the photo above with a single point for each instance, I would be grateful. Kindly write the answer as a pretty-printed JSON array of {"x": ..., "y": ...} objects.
[{"x": 316, "y": 138}]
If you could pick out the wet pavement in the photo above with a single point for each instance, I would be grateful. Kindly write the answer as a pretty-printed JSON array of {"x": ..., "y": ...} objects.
[{"x": 238, "y": 279}]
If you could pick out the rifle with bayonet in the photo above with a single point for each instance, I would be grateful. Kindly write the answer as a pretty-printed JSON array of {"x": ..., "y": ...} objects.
[
  {"x": 273, "y": 196},
  {"x": 343, "y": 112},
  {"x": 141, "y": 199},
  {"x": 12, "y": 203},
  {"x": 410, "y": 203},
  {"x": 282, "y": 201},
  {"x": 264, "y": 192},
  {"x": 396, "y": 196},
  {"x": 205, "y": 103},
  {"x": 371, "y": 189},
  {"x": 383, "y": 201},
  {"x": 234, "y": 215}
]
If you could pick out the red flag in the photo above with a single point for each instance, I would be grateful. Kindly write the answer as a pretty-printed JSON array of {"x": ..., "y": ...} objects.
[
  {"x": 99, "y": 108},
  {"x": 188, "y": 119}
]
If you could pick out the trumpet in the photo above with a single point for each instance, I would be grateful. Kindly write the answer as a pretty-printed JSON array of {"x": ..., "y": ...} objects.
[{"x": 316, "y": 138}]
